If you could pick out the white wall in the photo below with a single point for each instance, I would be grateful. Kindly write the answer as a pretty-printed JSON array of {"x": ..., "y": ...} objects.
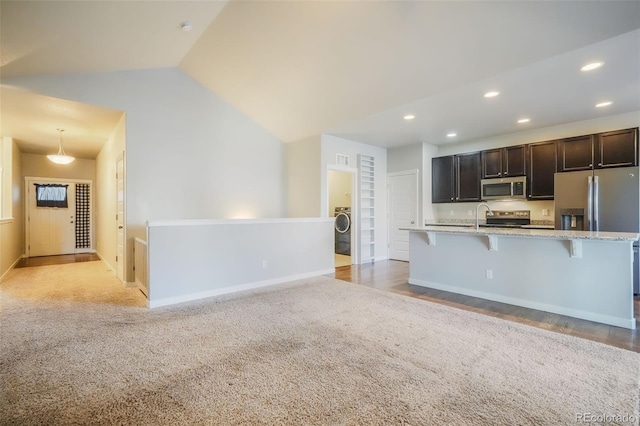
[
  {"x": 12, "y": 229},
  {"x": 189, "y": 153},
  {"x": 191, "y": 260},
  {"x": 332, "y": 145},
  {"x": 106, "y": 193},
  {"x": 303, "y": 177},
  {"x": 35, "y": 165},
  {"x": 339, "y": 190},
  {"x": 409, "y": 158},
  {"x": 597, "y": 286},
  {"x": 428, "y": 152}
]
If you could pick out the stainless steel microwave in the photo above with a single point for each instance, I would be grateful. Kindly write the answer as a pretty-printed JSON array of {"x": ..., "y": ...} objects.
[{"x": 513, "y": 188}]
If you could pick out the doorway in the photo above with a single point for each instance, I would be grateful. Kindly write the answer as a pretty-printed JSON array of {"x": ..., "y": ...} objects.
[
  {"x": 58, "y": 216},
  {"x": 402, "y": 211},
  {"x": 340, "y": 190},
  {"x": 120, "y": 231}
]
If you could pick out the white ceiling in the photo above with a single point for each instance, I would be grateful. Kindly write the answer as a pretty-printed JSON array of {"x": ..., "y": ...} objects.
[{"x": 350, "y": 68}]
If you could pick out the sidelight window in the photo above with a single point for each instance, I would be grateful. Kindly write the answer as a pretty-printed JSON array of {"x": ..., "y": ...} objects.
[{"x": 51, "y": 195}]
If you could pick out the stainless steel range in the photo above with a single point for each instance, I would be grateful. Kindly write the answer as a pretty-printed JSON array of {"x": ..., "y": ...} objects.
[{"x": 508, "y": 219}]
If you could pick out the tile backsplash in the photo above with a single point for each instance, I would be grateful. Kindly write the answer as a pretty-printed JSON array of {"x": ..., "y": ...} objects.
[{"x": 542, "y": 212}]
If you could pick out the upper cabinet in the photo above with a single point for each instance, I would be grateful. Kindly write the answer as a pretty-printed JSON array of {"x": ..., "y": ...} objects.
[
  {"x": 442, "y": 179},
  {"x": 468, "y": 177},
  {"x": 604, "y": 150},
  {"x": 504, "y": 162},
  {"x": 575, "y": 153},
  {"x": 542, "y": 163},
  {"x": 617, "y": 149},
  {"x": 456, "y": 178}
]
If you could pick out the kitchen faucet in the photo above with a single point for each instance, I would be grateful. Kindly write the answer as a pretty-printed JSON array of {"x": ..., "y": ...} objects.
[{"x": 489, "y": 213}]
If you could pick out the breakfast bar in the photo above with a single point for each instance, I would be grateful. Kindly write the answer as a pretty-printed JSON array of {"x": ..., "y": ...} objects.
[{"x": 581, "y": 274}]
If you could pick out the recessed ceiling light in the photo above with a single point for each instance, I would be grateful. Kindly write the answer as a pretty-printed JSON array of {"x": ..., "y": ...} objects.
[
  {"x": 186, "y": 26},
  {"x": 524, "y": 120},
  {"x": 491, "y": 94},
  {"x": 452, "y": 135},
  {"x": 603, "y": 104},
  {"x": 592, "y": 66},
  {"x": 409, "y": 117}
]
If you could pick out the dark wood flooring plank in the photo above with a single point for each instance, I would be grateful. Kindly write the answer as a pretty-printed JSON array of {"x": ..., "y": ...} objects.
[{"x": 57, "y": 260}]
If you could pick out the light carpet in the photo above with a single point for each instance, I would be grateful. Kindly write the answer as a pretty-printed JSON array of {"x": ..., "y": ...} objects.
[{"x": 318, "y": 352}]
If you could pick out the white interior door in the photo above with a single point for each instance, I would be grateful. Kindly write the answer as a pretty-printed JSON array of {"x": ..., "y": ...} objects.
[
  {"x": 52, "y": 230},
  {"x": 403, "y": 211},
  {"x": 120, "y": 218}
]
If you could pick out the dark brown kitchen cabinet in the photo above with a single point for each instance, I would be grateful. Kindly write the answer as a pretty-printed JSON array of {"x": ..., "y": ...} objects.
[
  {"x": 542, "y": 165},
  {"x": 617, "y": 149},
  {"x": 456, "y": 178},
  {"x": 443, "y": 179},
  {"x": 503, "y": 162},
  {"x": 575, "y": 153},
  {"x": 468, "y": 177}
]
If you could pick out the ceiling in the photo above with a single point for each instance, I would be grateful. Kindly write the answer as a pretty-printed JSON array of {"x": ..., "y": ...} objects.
[{"x": 350, "y": 68}]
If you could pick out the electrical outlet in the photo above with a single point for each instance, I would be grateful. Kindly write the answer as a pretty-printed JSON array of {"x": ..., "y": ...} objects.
[
  {"x": 489, "y": 274},
  {"x": 469, "y": 212},
  {"x": 450, "y": 212},
  {"x": 264, "y": 264},
  {"x": 545, "y": 212}
]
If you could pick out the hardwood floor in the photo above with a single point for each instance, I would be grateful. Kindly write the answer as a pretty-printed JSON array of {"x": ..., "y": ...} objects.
[
  {"x": 57, "y": 260},
  {"x": 392, "y": 275}
]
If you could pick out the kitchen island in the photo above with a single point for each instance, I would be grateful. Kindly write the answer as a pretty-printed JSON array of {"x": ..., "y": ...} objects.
[{"x": 581, "y": 274}]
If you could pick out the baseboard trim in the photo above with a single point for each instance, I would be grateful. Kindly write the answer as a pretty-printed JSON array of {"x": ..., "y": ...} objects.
[
  {"x": 22, "y": 256},
  {"x": 111, "y": 268},
  {"x": 561, "y": 310},
  {"x": 234, "y": 289}
]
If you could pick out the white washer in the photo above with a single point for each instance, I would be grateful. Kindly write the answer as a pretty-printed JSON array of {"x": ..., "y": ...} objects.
[{"x": 343, "y": 230}]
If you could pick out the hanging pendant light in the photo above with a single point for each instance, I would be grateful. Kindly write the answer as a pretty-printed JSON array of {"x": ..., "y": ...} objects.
[{"x": 60, "y": 157}]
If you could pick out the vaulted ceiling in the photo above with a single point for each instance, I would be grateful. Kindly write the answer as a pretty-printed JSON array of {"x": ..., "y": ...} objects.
[{"x": 350, "y": 68}]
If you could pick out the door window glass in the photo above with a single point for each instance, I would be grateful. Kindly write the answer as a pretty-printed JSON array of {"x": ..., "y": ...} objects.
[{"x": 51, "y": 195}]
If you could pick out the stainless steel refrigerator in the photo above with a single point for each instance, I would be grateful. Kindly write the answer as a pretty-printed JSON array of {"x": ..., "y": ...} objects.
[{"x": 600, "y": 200}]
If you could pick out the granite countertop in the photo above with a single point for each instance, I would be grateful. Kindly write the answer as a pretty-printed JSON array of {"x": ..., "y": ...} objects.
[{"x": 470, "y": 229}]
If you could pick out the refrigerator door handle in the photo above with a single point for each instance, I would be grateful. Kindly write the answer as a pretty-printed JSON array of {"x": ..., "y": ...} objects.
[
  {"x": 596, "y": 202},
  {"x": 590, "y": 203}
]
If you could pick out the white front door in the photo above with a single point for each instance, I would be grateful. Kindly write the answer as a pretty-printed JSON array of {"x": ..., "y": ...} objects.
[
  {"x": 120, "y": 218},
  {"x": 52, "y": 230},
  {"x": 403, "y": 211}
]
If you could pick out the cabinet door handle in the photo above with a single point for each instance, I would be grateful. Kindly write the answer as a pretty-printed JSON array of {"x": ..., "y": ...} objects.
[
  {"x": 499, "y": 174},
  {"x": 506, "y": 173},
  {"x": 599, "y": 164}
]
